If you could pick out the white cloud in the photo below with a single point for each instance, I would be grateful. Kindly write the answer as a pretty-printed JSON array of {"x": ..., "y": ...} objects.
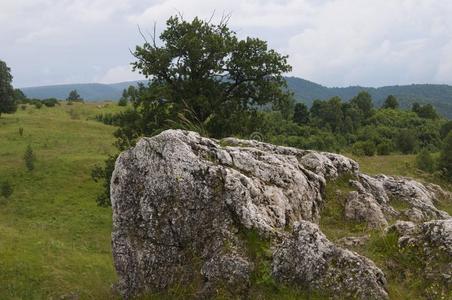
[
  {"x": 333, "y": 42},
  {"x": 119, "y": 74}
]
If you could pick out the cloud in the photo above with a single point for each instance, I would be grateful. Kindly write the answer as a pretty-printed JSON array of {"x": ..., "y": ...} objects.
[
  {"x": 333, "y": 42},
  {"x": 119, "y": 74}
]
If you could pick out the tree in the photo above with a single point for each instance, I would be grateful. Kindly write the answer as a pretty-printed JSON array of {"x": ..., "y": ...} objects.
[
  {"x": 426, "y": 111},
  {"x": 124, "y": 98},
  {"x": 301, "y": 114},
  {"x": 406, "y": 141},
  {"x": 425, "y": 161},
  {"x": 391, "y": 102},
  {"x": 7, "y": 101},
  {"x": 445, "y": 159},
  {"x": 74, "y": 97},
  {"x": 445, "y": 129},
  {"x": 204, "y": 69},
  {"x": 363, "y": 101},
  {"x": 29, "y": 158}
]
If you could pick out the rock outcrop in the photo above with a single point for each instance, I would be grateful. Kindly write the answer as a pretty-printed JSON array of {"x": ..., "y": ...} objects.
[{"x": 181, "y": 204}]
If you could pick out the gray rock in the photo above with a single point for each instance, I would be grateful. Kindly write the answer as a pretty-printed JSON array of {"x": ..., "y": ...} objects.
[
  {"x": 180, "y": 202},
  {"x": 353, "y": 241},
  {"x": 308, "y": 258},
  {"x": 363, "y": 207},
  {"x": 419, "y": 197}
]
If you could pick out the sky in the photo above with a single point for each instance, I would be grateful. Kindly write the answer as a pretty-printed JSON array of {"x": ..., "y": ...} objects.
[{"x": 331, "y": 42}]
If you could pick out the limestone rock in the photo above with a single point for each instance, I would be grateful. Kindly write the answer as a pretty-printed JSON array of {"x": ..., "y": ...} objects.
[
  {"x": 180, "y": 202},
  {"x": 308, "y": 258},
  {"x": 362, "y": 207}
]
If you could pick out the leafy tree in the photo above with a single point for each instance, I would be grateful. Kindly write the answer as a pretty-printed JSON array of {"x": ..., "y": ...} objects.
[
  {"x": 445, "y": 160},
  {"x": 406, "y": 141},
  {"x": 29, "y": 158},
  {"x": 426, "y": 111},
  {"x": 6, "y": 189},
  {"x": 363, "y": 101},
  {"x": 103, "y": 175},
  {"x": 205, "y": 69},
  {"x": 328, "y": 114},
  {"x": 301, "y": 114},
  {"x": 123, "y": 101},
  {"x": 384, "y": 148},
  {"x": 364, "y": 148},
  {"x": 445, "y": 129},
  {"x": 391, "y": 102},
  {"x": 74, "y": 97},
  {"x": 7, "y": 101},
  {"x": 19, "y": 96},
  {"x": 425, "y": 161}
]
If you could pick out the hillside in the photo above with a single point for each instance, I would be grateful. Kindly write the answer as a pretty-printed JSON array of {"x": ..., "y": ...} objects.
[
  {"x": 54, "y": 240},
  {"x": 306, "y": 91},
  {"x": 55, "y": 243}
]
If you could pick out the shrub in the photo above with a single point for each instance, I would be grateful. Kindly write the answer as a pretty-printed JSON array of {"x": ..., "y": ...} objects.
[
  {"x": 21, "y": 131},
  {"x": 29, "y": 158},
  {"x": 363, "y": 148},
  {"x": 406, "y": 141},
  {"x": 6, "y": 189},
  {"x": 384, "y": 148},
  {"x": 23, "y": 107},
  {"x": 38, "y": 105},
  {"x": 445, "y": 160},
  {"x": 425, "y": 161}
]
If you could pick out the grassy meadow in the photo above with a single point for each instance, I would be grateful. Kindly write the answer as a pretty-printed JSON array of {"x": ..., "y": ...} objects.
[{"x": 54, "y": 240}]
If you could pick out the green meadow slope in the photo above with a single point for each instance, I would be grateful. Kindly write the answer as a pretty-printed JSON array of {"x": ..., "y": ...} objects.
[{"x": 55, "y": 241}]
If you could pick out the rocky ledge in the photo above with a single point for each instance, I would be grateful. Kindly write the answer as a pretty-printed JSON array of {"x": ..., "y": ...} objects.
[{"x": 183, "y": 206}]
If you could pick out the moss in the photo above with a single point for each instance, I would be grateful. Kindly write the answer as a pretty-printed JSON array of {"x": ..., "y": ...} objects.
[
  {"x": 263, "y": 285},
  {"x": 332, "y": 220}
]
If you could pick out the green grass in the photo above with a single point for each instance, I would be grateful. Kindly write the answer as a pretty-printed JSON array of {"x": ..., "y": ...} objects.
[{"x": 54, "y": 240}]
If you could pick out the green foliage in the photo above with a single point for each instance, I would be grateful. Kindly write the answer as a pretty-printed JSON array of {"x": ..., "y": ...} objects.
[
  {"x": 445, "y": 160},
  {"x": 205, "y": 68},
  {"x": 391, "y": 102},
  {"x": 406, "y": 141},
  {"x": 445, "y": 129},
  {"x": 363, "y": 101},
  {"x": 426, "y": 111},
  {"x": 364, "y": 148},
  {"x": 425, "y": 161},
  {"x": 8, "y": 103},
  {"x": 103, "y": 175},
  {"x": 21, "y": 131},
  {"x": 38, "y": 104},
  {"x": 6, "y": 190},
  {"x": 74, "y": 97},
  {"x": 29, "y": 158},
  {"x": 301, "y": 114},
  {"x": 385, "y": 148}
]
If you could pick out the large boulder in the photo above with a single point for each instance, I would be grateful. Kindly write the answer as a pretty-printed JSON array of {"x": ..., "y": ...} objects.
[{"x": 181, "y": 203}]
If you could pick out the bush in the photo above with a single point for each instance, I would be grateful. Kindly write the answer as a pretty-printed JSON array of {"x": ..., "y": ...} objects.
[
  {"x": 21, "y": 131},
  {"x": 425, "y": 161},
  {"x": 6, "y": 189},
  {"x": 363, "y": 148},
  {"x": 38, "y": 105},
  {"x": 29, "y": 158},
  {"x": 445, "y": 160},
  {"x": 384, "y": 148},
  {"x": 406, "y": 141}
]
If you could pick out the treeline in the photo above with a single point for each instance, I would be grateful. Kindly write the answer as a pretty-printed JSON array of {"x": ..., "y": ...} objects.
[{"x": 357, "y": 126}]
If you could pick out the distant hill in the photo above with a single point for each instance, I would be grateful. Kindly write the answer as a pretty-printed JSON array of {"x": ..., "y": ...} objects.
[{"x": 305, "y": 91}]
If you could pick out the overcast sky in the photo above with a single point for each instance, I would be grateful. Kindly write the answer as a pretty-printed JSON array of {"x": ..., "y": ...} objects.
[{"x": 331, "y": 42}]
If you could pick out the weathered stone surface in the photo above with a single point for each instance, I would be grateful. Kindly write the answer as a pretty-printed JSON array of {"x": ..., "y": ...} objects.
[
  {"x": 180, "y": 202},
  {"x": 307, "y": 258},
  {"x": 418, "y": 197},
  {"x": 431, "y": 243},
  {"x": 353, "y": 241},
  {"x": 362, "y": 207}
]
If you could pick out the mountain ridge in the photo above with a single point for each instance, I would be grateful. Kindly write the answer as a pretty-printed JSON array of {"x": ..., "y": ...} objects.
[{"x": 439, "y": 95}]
